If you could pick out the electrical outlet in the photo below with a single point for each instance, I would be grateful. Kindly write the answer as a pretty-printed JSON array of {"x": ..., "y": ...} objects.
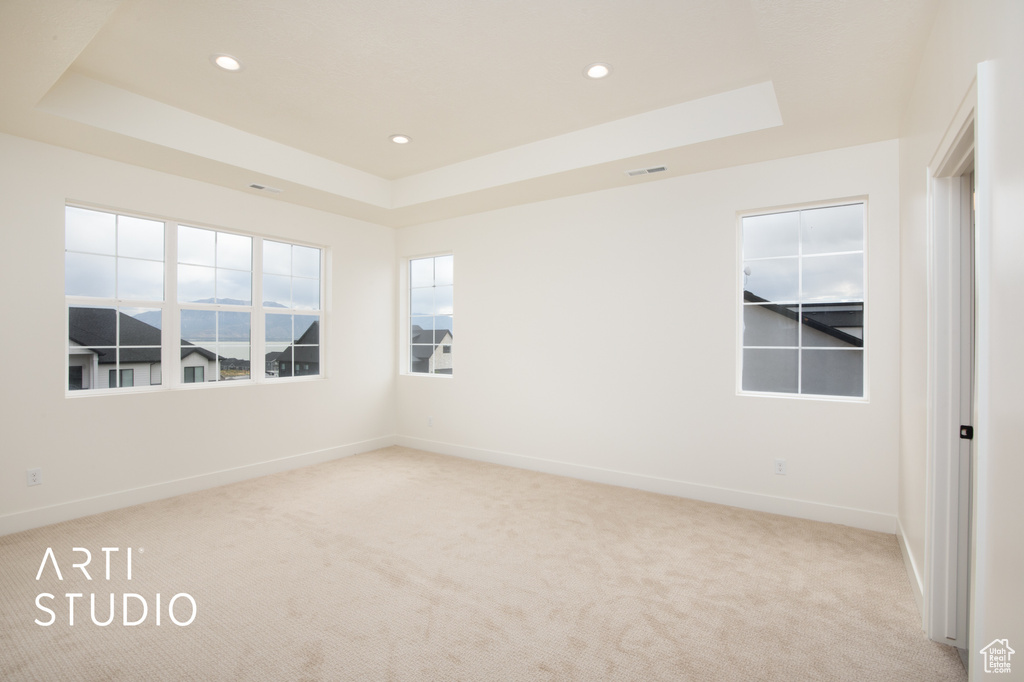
[
  {"x": 35, "y": 476},
  {"x": 780, "y": 467}
]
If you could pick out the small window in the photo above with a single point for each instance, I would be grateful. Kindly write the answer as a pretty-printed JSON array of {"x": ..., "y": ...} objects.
[
  {"x": 803, "y": 302},
  {"x": 431, "y": 308},
  {"x": 75, "y": 378},
  {"x": 194, "y": 375},
  {"x": 127, "y": 378}
]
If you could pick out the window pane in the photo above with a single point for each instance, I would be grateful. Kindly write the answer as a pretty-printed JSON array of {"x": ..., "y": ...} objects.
[
  {"x": 93, "y": 328},
  {"x": 140, "y": 279},
  {"x": 234, "y": 363},
  {"x": 234, "y": 251},
  {"x": 277, "y": 291},
  {"x": 833, "y": 372},
  {"x": 305, "y": 262},
  {"x": 770, "y": 370},
  {"x": 840, "y": 325},
  {"x": 278, "y": 328},
  {"x": 307, "y": 329},
  {"x": 196, "y": 246},
  {"x": 139, "y": 238},
  {"x": 306, "y": 294},
  {"x": 833, "y": 278},
  {"x": 443, "y": 270},
  {"x": 443, "y": 322},
  {"x": 772, "y": 280},
  {"x": 234, "y": 287},
  {"x": 832, "y": 229},
  {"x": 307, "y": 360},
  {"x": 127, "y": 378},
  {"x": 770, "y": 235},
  {"x": 92, "y": 231},
  {"x": 769, "y": 326},
  {"x": 443, "y": 300},
  {"x": 199, "y": 327},
  {"x": 234, "y": 327},
  {"x": 279, "y": 360},
  {"x": 140, "y": 327},
  {"x": 201, "y": 360},
  {"x": 196, "y": 284},
  {"x": 421, "y": 272},
  {"x": 417, "y": 325},
  {"x": 422, "y": 301},
  {"x": 277, "y": 258},
  {"x": 86, "y": 275},
  {"x": 419, "y": 358}
]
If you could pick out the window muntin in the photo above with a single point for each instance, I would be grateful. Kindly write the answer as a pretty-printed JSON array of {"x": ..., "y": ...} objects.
[
  {"x": 803, "y": 302},
  {"x": 115, "y": 281},
  {"x": 431, "y": 314}
]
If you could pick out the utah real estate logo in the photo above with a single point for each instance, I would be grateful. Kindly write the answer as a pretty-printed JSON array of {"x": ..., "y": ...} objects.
[{"x": 997, "y": 656}]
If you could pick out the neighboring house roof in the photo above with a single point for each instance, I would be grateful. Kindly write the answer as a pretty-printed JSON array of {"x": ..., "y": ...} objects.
[
  {"x": 825, "y": 320},
  {"x": 94, "y": 328},
  {"x": 306, "y": 348},
  {"x": 428, "y": 340}
]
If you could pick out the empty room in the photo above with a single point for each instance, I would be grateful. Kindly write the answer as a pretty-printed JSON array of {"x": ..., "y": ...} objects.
[{"x": 540, "y": 340}]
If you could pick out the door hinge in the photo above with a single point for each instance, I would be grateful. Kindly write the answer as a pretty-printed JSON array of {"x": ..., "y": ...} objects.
[{"x": 967, "y": 432}]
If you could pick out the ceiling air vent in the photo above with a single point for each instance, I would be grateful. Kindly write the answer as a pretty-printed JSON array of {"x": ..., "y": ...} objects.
[
  {"x": 264, "y": 188},
  {"x": 645, "y": 171}
]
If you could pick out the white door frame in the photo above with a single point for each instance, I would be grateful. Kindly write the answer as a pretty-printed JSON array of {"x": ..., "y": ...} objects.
[{"x": 947, "y": 548}]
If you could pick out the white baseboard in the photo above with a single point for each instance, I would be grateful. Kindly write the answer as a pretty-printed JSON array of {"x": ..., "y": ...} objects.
[
  {"x": 43, "y": 516},
  {"x": 913, "y": 573},
  {"x": 816, "y": 511}
]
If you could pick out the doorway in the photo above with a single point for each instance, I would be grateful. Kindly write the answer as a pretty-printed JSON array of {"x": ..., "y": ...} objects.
[{"x": 951, "y": 394}]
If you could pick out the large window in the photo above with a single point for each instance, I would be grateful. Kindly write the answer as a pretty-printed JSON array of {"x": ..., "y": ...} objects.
[
  {"x": 431, "y": 309},
  {"x": 803, "y": 302},
  {"x": 123, "y": 331}
]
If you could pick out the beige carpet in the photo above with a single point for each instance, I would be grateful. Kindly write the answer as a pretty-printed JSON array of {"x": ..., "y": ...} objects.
[{"x": 403, "y": 565}]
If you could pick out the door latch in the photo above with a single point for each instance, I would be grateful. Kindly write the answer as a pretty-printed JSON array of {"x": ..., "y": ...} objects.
[{"x": 967, "y": 432}]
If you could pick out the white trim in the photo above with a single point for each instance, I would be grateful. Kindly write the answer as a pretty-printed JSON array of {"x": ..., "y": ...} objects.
[
  {"x": 815, "y": 511},
  {"x": 913, "y": 572},
  {"x": 42, "y": 516}
]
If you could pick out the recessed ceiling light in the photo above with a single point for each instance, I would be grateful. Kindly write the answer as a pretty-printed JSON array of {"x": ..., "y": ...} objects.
[
  {"x": 400, "y": 139},
  {"x": 227, "y": 62},
  {"x": 597, "y": 70}
]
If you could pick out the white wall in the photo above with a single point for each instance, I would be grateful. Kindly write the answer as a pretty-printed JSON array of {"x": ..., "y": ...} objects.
[
  {"x": 86, "y": 469},
  {"x": 596, "y": 336},
  {"x": 965, "y": 34}
]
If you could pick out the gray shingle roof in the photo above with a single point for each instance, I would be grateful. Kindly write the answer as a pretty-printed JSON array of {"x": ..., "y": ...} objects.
[{"x": 95, "y": 329}]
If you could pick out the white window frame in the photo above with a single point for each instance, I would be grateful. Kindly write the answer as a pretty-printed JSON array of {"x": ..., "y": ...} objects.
[
  {"x": 741, "y": 305},
  {"x": 170, "y": 311},
  {"x": 405, "y": 323}
]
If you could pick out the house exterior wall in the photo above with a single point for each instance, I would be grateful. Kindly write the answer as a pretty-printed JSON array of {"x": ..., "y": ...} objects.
[
  {"x": 441, "y": 360},
  {"x": 197, "y": 360}
]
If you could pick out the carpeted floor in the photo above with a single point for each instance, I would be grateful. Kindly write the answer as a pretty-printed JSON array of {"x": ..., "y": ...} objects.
[{"x": 404, "y": 565}]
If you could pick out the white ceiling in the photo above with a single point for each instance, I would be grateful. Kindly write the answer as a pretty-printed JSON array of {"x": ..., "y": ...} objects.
[{"x": 491, "y": 91}]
